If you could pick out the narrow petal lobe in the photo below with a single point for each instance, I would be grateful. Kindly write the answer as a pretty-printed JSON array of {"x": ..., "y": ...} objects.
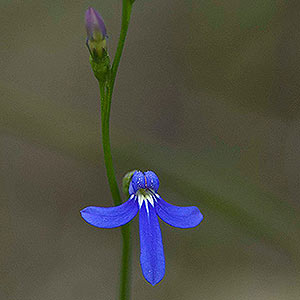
[
  {"x": 110, "y": 217},
  {"x": 178, "y": 216},
  {"x": 152, "y": 253}
]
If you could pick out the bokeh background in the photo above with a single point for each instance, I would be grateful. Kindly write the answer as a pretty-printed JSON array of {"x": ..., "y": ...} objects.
[{"x": 207, "y": 95}]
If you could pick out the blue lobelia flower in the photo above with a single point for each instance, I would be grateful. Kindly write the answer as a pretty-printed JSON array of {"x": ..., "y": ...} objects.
[{"x": 144, "y": 198}]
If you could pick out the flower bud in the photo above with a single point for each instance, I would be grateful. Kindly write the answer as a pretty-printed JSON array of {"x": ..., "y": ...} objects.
[
  {"x": 96, "y": 33},
  {"x": 96, "y": 43}
]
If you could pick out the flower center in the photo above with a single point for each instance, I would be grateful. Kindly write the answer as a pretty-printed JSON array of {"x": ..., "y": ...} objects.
[{"x": 145, "y": 196}]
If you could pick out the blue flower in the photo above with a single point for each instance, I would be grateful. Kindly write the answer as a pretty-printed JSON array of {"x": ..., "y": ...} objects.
[{"x": 144, "y": 198}]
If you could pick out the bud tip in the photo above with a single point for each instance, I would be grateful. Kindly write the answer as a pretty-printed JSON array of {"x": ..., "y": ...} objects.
[{"x": 94, "y": 23}]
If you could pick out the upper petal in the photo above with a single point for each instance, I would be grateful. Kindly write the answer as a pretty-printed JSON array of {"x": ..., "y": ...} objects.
[
  {"x": 110, "y": 217},
  {"x": 152, "y": 253},
  {"x": 137, "y": 181},
  {"x": 152, "y": 181},
  {"x": 178, "y": 216}
]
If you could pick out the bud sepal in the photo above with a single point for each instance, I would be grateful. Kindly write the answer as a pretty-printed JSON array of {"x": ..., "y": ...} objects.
[
  {"x": 126, "y": 182},
  {"x": 101, "y": 66}
]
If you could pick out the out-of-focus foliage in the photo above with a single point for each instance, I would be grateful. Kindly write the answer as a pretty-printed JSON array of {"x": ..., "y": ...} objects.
[{"x": 207, "y": 96}]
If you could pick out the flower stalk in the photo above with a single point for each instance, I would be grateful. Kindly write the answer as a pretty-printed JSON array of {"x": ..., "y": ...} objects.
[
  {"x": 106, "y": 76},
  {"x": 125, "y": 230}
]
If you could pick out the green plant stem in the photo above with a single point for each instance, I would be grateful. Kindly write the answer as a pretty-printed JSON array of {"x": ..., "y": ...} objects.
[
  {"x": 126, "y": 244},
  {"x": 106, "y": 92},
  {"x": 126, "y": 13},
  {"x": 107, "y": 149},
  {"x": 126, "y": 264}
]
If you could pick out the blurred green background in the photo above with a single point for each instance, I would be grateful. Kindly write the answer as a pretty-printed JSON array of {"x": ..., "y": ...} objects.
[{"x": 207, "y": 95}]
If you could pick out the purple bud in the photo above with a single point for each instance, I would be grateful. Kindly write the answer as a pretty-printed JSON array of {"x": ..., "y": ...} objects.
[{"x": 94, "y": 24}]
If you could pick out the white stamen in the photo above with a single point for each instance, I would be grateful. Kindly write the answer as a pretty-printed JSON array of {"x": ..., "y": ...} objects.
[
  {"x": 145, "y": 197},
  {"x": 150, "y": 199}
]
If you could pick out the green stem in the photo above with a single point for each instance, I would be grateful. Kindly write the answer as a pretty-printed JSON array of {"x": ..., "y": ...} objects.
[
  {"x": 106, "y": 92},
  {"x": 126, "y": 264},
  {"x": 126, "y": 13},
  {"x": 107, "y": 149},
  {"x": 126, "y": 247}
]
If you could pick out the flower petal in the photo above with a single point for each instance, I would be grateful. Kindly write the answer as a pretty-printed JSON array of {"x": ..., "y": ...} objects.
[
  {"x": 94, "y": 22},
  {"x": 110, "y": 217},
  {"x": 152, "y": 181},
  {"x": 152, "y": 253},
  {"x": 178, "y": 216},
  {"x": 137, "y": 181}
]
